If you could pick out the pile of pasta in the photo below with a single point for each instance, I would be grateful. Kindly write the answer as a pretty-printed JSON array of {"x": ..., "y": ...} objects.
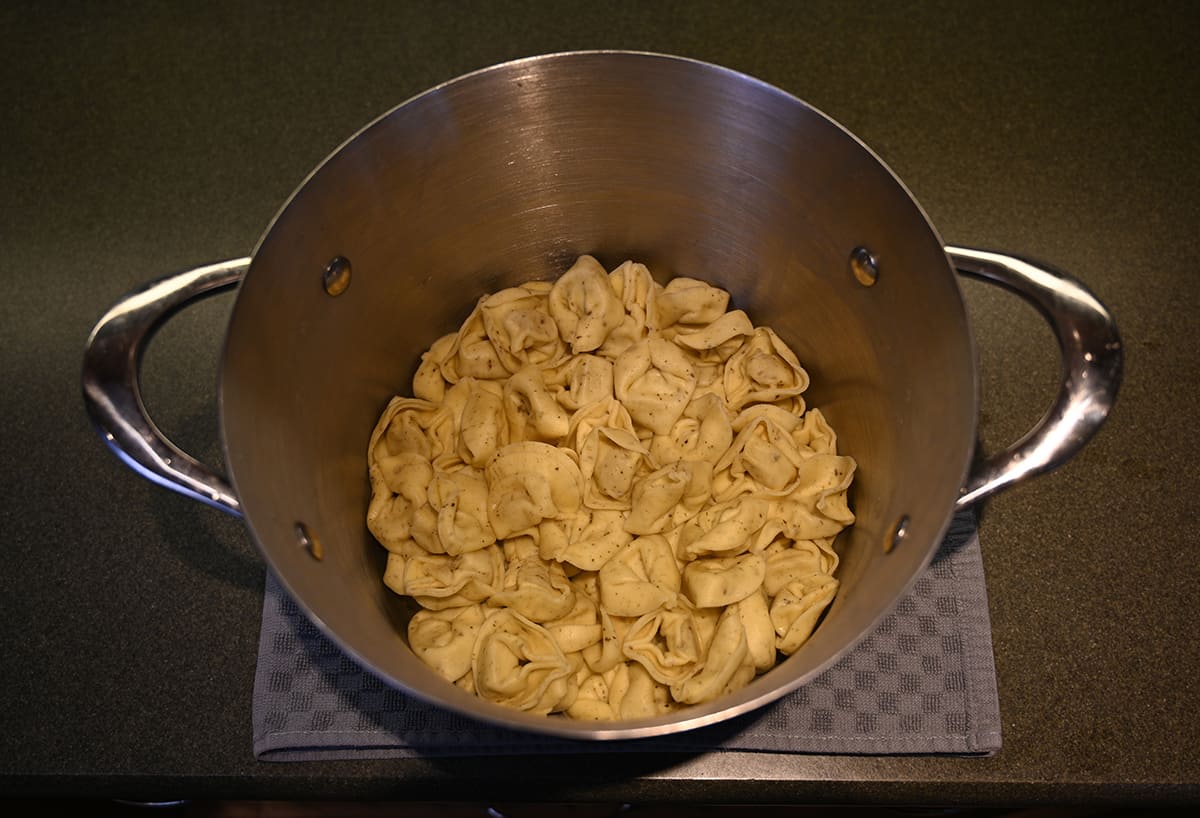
[{"x": 608, "y": 497}]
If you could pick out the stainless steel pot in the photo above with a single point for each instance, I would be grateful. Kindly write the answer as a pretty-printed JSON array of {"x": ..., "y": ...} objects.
[{"x": 508, "y": 174}]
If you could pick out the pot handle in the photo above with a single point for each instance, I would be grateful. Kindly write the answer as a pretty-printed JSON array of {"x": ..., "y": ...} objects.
[
  {"x": 1091, "y": 368},
  {"x": 112, "y": 388}
]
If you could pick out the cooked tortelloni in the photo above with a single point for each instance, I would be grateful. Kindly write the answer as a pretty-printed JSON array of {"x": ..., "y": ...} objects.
[{"x": 608, "y": 497}]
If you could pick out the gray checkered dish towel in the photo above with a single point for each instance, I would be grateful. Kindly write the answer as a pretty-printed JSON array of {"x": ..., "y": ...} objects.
[{"x": 924, "y": 682}]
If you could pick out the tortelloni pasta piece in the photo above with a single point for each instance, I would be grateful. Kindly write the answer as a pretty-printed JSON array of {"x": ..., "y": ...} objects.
[
  {"x": 636, "y": 288},
  {"x": 688, "y": 301},
  {"x": 654, "y": 380},
  {"x": 402, "y": 430},
  {"x": 667, "y": 643},
  {"x": 818, "y": 506},
  {"x": 764, "y": 457},
  {"x": 533, "y": 413},
  {"x": 816, "y": 434},
  {"x": 719, "y": 581},
  {"x": 608, "y": 497},
  {"x": 579, "y": 629},
  {"x": 445, "y": 639},
  {"x": 669, "y": 497},
  {"x": 429, "y": 383},
  {"x": 608, "y": 653},
  {"x": 763, "y": 370},
  {"x": 520, "y": 328},
  {"x": 440, "y": 581},
  {"x": 610, "y": 460},
  {"x": 581, "y": 381},
  {"x": 537, "y": 590},
  {"x": 472, "y": 353},
  {"x": 529, "y": 482},
  {"x": 604, "y": 413},
  {"x": 790, "y": 561},
  {"x": 718, "y": 340},
  {"x": 726, "y": 529},
  {"x": 398, "y": 489},
  {"x": 584, "y": 306},
  {"x": 796, "y": 608},
  {"x": 725, "y": 656},
  {"x": 641, "y": 578},
  {"x": 516, "y": 662},
  {"x": 627, "y": 691},
  {"x": 483, "y": 424},
  {"x": 591, "y": 701},
  {"x": 586, "y": 542},
  {"x": 703, "y": 432},
  {"x": 755, "y": 615},
  {"x": 455, "y": 518}
]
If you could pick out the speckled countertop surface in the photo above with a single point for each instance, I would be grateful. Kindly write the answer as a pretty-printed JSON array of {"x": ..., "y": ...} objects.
[{"x": 143, "y": 138}]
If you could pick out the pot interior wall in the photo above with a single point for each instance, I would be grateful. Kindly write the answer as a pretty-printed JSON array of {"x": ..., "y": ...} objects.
[{"x": 508, "y": 175}]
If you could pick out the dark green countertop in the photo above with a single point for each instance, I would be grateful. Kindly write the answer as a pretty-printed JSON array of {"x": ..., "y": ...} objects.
[{"x": 144, "y": 138}]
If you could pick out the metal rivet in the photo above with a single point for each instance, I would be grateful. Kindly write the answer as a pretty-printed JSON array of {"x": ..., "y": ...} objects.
[
  {"x": 864, "y": 266},
  {"x": 309, "y": 541},
  {"x": 336, "y": 277},
  {"x": 899, "y": 533}
]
